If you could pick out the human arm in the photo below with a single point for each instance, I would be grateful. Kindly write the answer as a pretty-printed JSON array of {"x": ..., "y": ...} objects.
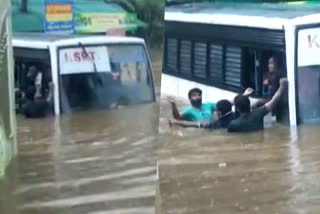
[
  {"x": 277, "y": 96},
  {"x": 175, "y": 112},
  {"x": 38, "y": 85},
  {"x": 50, "y": 93},
  {"x": 183, "y": 123},
  {"x": 257, "y": 103},
  {"x": 247, "y": 92}
]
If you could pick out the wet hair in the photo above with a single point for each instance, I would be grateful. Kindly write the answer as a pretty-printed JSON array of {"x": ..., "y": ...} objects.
[
  {"x": 242, "y": 103},
  {"x": 275, "y": 60},
  {"x": 224, "y": 106},
  {"x": 30, "y": 92},
  {"x": 194, "y": 90}
]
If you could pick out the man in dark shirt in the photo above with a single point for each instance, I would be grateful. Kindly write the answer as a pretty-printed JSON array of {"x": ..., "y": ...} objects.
[
  {"x": 223, "y": 116},
  {"x": 248, "y": 120},
  {"x": 36, "y": 107}
]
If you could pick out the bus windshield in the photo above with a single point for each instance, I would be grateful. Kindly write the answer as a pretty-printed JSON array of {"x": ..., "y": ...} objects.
[{"x": 104, "y": 76}]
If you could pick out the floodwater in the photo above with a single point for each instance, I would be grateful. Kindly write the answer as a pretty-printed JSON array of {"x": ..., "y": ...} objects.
[
  {"x": 93, "y": 162},
  {"x": 273, "y": 171},
  {"x": 101, "y": 162}
]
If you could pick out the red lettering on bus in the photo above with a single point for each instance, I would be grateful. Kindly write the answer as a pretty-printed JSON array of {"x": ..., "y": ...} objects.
[
  {"x": 77, "y": 57},
  {"x": 92, "y": 54},
  {"x": 313, "y": 41}
]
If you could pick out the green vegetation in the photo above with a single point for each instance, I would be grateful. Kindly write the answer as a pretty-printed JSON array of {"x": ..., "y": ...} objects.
[{"x": 151, "y": 12}]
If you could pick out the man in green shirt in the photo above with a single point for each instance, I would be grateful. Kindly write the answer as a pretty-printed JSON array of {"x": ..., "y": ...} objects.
[{"x": 198, "y": 111}]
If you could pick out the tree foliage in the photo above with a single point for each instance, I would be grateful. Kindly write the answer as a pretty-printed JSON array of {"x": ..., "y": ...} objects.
[{"x": 151, "y": 12}]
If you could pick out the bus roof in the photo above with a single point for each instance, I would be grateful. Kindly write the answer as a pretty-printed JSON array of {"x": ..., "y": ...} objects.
[
  {"x": 263, "y": 15},
  {"x": 43, "y": 40}
]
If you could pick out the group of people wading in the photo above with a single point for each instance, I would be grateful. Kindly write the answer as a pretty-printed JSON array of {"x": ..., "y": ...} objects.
[{"x": 247, "y": 117}]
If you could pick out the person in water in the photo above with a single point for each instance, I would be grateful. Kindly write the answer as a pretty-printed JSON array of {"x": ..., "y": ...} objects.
[
  {"x": 198, "y": 111},
  {"x": 253, "y": 120},
  {"x": 221, "y": 119},
  {"x": 37, "y": 107}
]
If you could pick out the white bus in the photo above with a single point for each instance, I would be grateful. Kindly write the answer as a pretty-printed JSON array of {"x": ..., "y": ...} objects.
[
  {"x": 224, "y": 48},
  {"x": 88, "y": 72}
]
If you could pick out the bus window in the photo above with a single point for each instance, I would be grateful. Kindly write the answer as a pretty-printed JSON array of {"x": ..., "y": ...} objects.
[
  {"x": 104, "y": 76},
  {"x": 30, "y": 66},
  {"x": 263, "y": 70}
]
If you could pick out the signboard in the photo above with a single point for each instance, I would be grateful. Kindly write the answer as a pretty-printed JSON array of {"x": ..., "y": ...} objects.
[
  {"x": 309, "y": 47},
  {"x": 58, "y": 16},
  {"x": 102, "y": 22},
  {"x": 116, "y": 32},
  {"x": 76, "y": 60}
]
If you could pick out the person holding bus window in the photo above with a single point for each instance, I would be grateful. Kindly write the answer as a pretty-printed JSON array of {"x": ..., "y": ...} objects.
[
  {"x": 271, "y": 77},
  {"x": 253, "y": 119},
  {"x": 271, "y": 81}
]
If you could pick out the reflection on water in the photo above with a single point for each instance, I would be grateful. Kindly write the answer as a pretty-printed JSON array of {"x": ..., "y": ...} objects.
[
  {"x": 273, "y": 171},
  {"x": 96, "y": 162}
]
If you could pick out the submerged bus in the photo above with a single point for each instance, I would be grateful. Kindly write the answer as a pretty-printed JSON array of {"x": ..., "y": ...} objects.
[
  {"x": 224, "y": 48},
  {"x": 88, "y": 72}
]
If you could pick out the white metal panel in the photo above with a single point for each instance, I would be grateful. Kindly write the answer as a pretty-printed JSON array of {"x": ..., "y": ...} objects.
[
  {"x": 168, "y": 84},
  {"x": 224, "y": 19},
  {"x": 99, "y": 39},
  {"x": 290, "y": 58},
  {"x": 30, "y": 44},
  {"x": 308, "y": 47},
  {"x": 174, "y": 86},
  {"x": 309, "y": 19},
  {"x": 90, "y": 40},
  {"x": 55, "y": 78}
]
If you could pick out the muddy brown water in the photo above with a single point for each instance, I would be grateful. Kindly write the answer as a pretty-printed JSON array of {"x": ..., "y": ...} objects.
[
  {"x": 92, "y": 162},
  {"x": 272, "y": 171},
  {"x": 105, "y": 162}
]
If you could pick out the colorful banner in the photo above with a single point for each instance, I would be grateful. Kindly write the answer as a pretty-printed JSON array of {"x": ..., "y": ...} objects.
[
  {"x": 59, "y": 16},
  {"x": 103, "y": 22}
]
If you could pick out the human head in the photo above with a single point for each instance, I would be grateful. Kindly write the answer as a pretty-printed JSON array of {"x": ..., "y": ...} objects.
[
  {"x": 223, "y": 107},
  {"x": 242, "y": 104},
  {"x": 195, "y": 97},
  {"x": 32, "y": 73},
  {"x": 273, "y": 64}
]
